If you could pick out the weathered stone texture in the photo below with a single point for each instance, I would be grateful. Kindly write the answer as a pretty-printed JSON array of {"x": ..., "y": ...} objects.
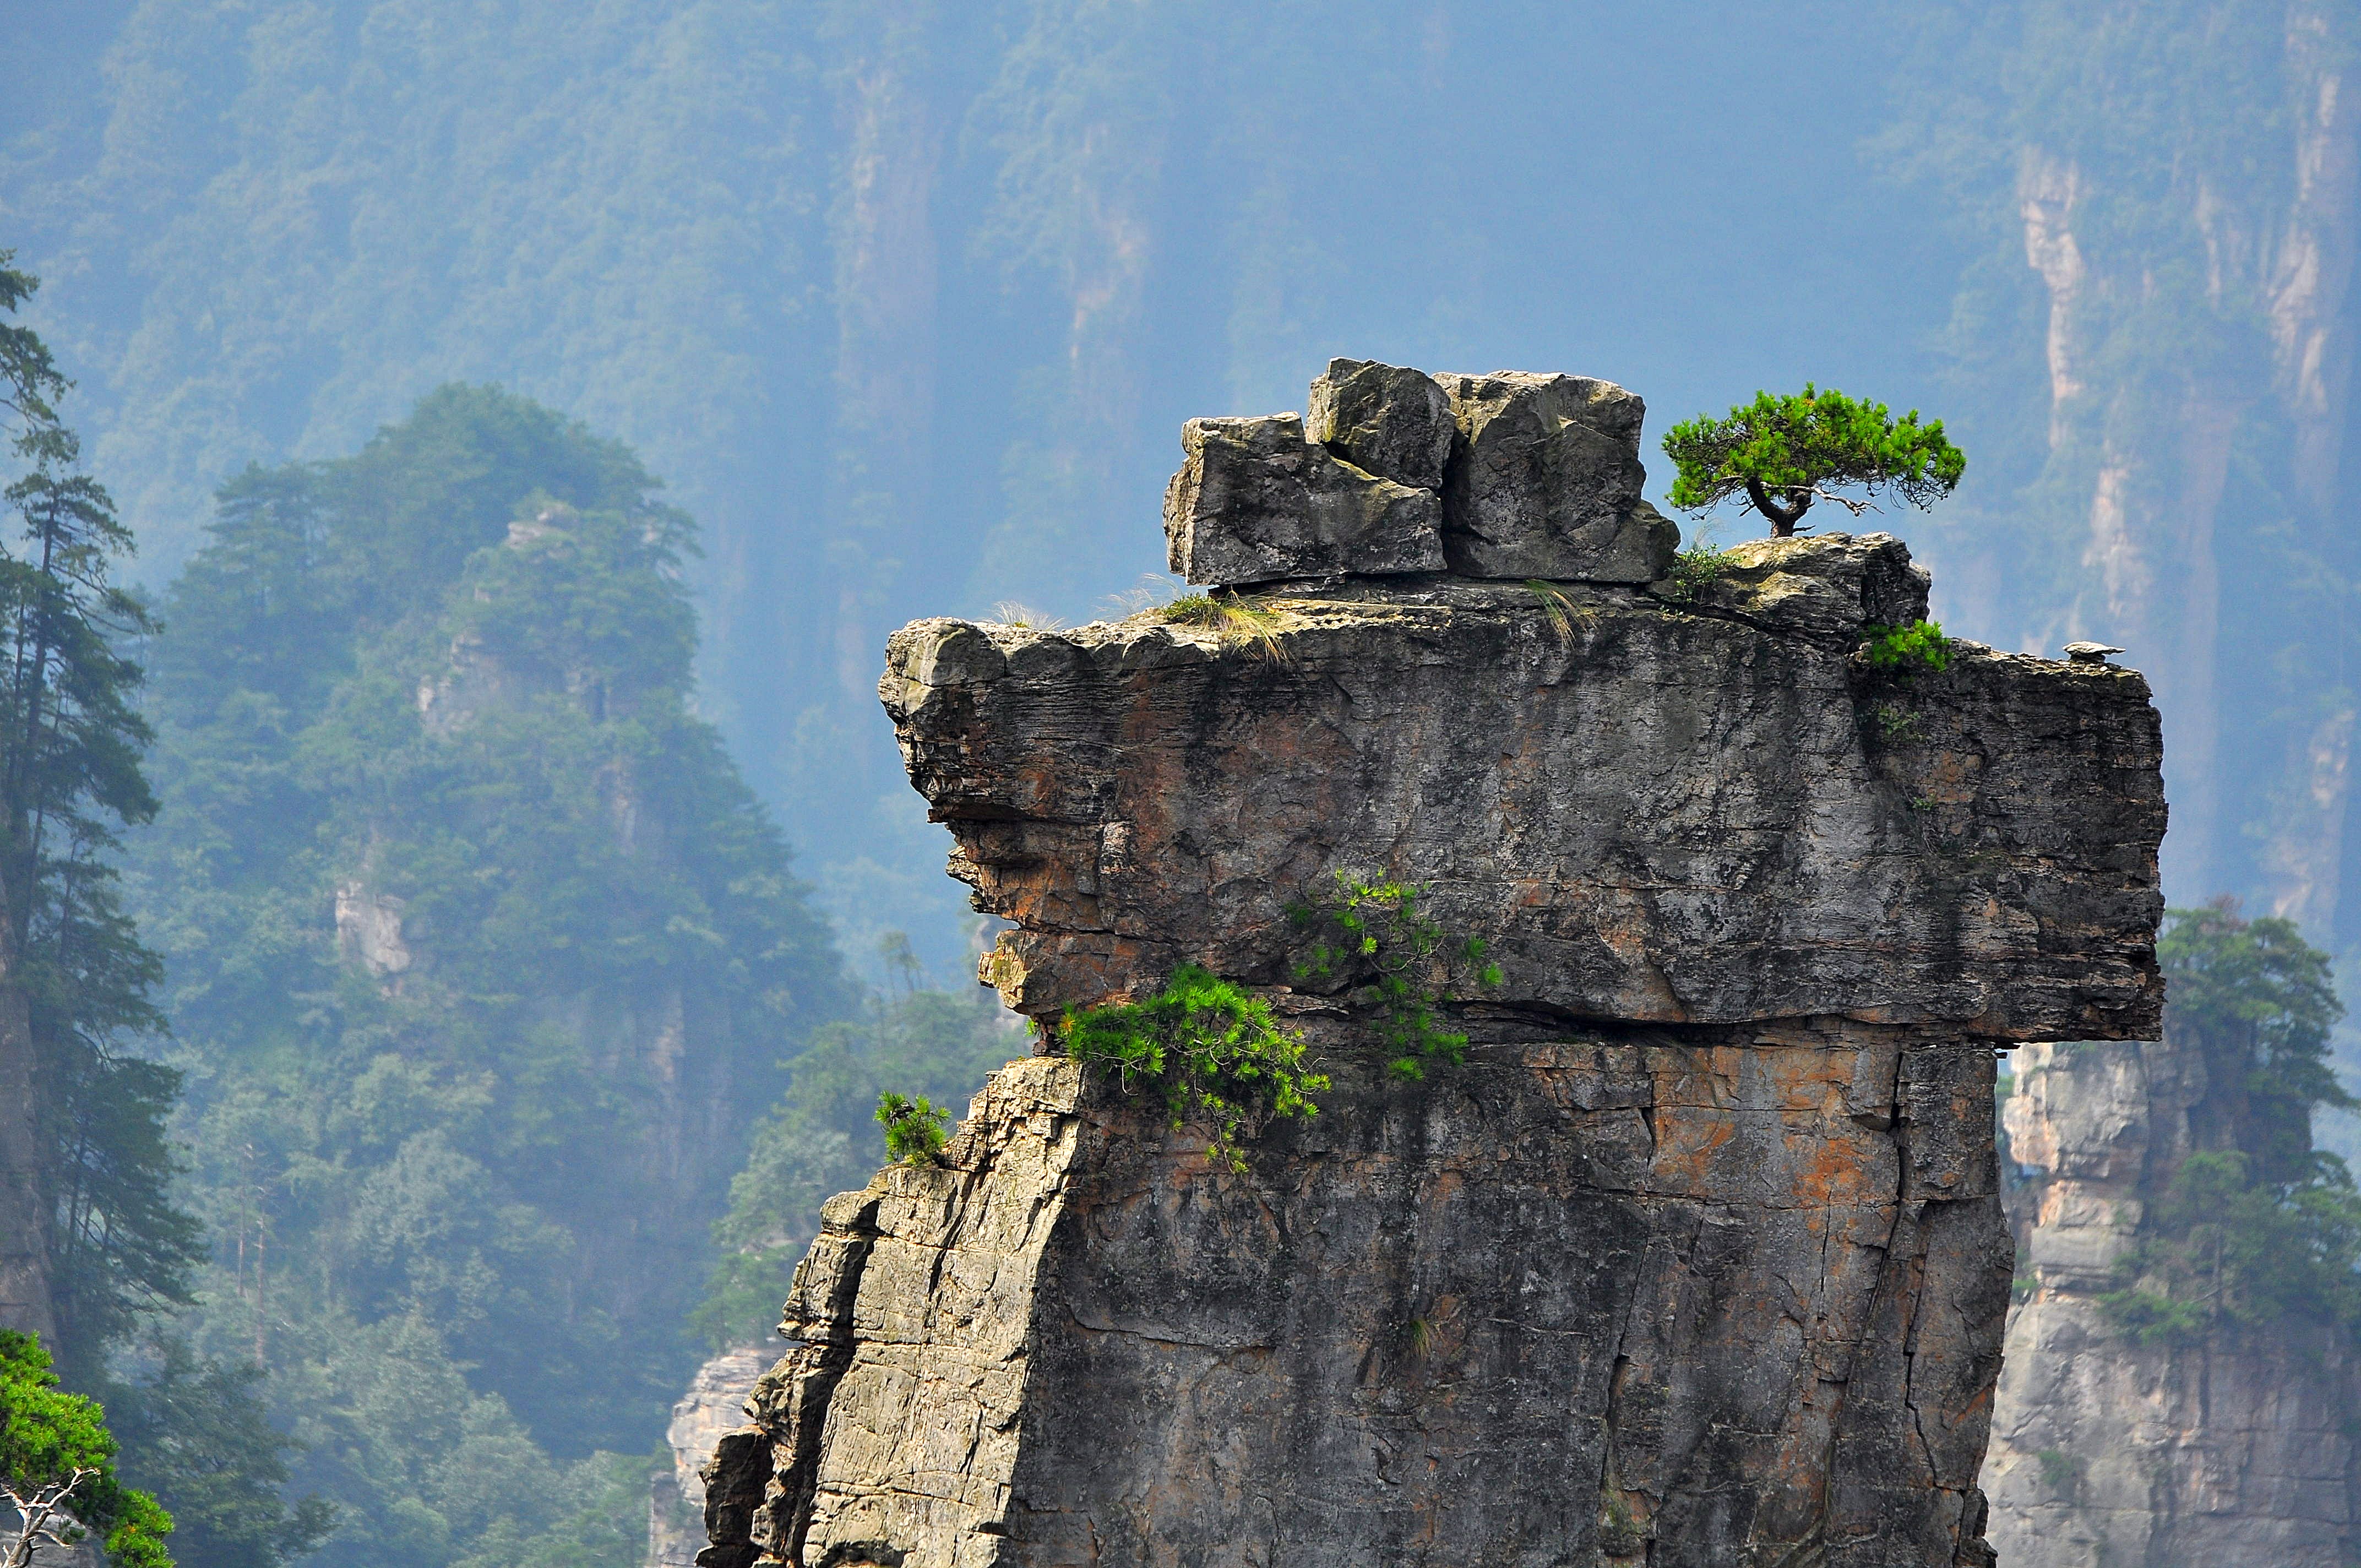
[
  {"x": 1544, "y": 482},
  {"x": 1698, "y": 1260},
  {"x": 1514, "y": 1315},
  {"x": 1392, "y": 421},
  {"x": 1656, "y": 816},
  {"x": 1256, "y": 501},
  {"x": 2230, "y": 1451}
]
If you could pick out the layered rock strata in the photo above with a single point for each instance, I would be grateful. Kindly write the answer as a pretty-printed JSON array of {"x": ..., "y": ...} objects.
[
  {"x": 1698, "y": 1260},
  {"x": 2229, "y": 1448}
]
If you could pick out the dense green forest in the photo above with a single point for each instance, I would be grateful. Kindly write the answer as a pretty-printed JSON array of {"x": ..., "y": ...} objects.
[{"x": 481, "y": 961}]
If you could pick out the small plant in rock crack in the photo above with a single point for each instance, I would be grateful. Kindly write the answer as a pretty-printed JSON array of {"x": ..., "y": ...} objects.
[
  {"x": 1903, "y": 651},
  {"x": 1234, "y": 622},
  {"x": 1210, "y": 1048},
  {"x": 1895, "y": 726},
  {"x": 1558, "y": 606},
  {"x": 1374, "y": 932},
  {"x": 913, "y": 1128},
  {"x": 1697, "y": 568}
]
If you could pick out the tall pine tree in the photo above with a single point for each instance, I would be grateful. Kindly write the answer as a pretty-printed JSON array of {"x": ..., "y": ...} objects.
[{"x": 100, "y": 1238}]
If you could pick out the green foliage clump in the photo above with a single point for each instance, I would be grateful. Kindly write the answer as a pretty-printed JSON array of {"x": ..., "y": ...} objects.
[
  {"x": 49, "y": 1440},
  {"x": 815, "y": 1140},
  {"x": 913, "y": 1128},
  {"x": 1375, "y": 936},
  {"x": 1697, "y": 566},
  {"x": 2260, "y": 1002},
  {"x": 1783, "y": 453},
  {"x": 195, "y": 1433},
  {"x": 1211, "y": 1048},
  {"x": 2258, "y": 1225},
  {"x": 1235, "y": 621},
  {"x": 1904, "y": 649},
  {"x": 2226, "y": 1245}
]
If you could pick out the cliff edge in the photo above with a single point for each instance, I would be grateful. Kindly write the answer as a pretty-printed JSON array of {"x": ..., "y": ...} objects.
[{"x": 1698, "y": 1259}]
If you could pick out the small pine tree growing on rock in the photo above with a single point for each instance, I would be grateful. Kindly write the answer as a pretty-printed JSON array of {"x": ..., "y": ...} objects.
[{"x": 1783, "y": 454}]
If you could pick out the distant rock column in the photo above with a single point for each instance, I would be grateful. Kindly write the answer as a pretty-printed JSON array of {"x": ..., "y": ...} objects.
[
  {"x": 2232, "y": 1451},
  {"x": 715, "y": 1402},
  {"x": 1698, "y": 1259}
]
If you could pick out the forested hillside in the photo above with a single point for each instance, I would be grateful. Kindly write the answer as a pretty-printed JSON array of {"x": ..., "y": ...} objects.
[{"x": 480, "y": 959}]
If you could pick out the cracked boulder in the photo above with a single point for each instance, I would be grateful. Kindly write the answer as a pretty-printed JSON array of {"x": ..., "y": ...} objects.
[
  {"x": 1824, "y": 585},
  {"x": 1389, "y": 421},
  {"x": 1544, "y": 482},
  {"x": 1256, "y": 501}
]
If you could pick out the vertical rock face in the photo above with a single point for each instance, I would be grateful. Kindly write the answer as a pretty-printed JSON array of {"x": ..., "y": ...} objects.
[
  {"x": 1698, "y": 1259},
  {"x": 2231, "y": 1451}
]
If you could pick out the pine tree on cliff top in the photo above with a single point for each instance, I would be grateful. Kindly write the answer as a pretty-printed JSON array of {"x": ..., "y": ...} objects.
[{"x": 1783, "y": 454}]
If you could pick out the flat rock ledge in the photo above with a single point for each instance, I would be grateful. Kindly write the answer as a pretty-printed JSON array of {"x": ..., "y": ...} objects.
[{"x": 1698, "y": 1260}]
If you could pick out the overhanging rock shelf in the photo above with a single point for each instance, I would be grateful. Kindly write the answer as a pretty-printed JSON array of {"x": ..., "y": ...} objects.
[{"x": 1698, "y": 1260}]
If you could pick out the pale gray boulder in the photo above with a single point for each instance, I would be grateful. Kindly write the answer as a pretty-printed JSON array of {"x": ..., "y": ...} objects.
[
  {"x": 1255, "y": 502},
  {"x": 1388, "y": 420},
  {"x": 1544, "y": 481}
]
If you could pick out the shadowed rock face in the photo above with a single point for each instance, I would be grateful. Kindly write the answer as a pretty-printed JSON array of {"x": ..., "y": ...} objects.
[{"x": 1698, "y": 1260}]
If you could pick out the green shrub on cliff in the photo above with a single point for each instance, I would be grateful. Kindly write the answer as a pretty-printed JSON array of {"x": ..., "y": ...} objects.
[
  {"x": 1906, "y": 650},
  {"x": 1374, "y": 936},
  {"x": 1210, "y": 1048},
  {"x": 913, "y": 1128}
]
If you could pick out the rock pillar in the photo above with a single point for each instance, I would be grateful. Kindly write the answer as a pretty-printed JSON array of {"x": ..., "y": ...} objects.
[{"x": 1698, "y": 1259}]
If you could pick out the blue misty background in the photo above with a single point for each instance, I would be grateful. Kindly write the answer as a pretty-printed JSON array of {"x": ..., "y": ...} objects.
[{"x": 906, "y": 302}]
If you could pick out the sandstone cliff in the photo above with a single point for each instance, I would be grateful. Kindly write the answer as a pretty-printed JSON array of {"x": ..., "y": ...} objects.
[
  {"x": 1698, "y": 1259},
  {"x": 2231, "y": 1449}
]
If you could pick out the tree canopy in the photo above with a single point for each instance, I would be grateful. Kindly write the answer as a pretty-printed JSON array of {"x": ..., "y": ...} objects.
[
  {"x": 2255, "y": 1224},
  {"x": 1785, "y": 452},
  {"x": 482, "y": 961},
  {"x": 56, "y": 1453}
]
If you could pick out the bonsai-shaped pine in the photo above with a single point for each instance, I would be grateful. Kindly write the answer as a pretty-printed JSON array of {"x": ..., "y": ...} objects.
[
  {"x": 913, "y": 1128},
  {"x": 57, "y": 1470},
  {"x": 1785, "y": 452}
]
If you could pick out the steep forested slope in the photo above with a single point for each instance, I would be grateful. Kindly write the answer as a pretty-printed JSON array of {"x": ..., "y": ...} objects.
[
  {"x": 2157, "y": 211},
  {"x": 480, "y": 958}
]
